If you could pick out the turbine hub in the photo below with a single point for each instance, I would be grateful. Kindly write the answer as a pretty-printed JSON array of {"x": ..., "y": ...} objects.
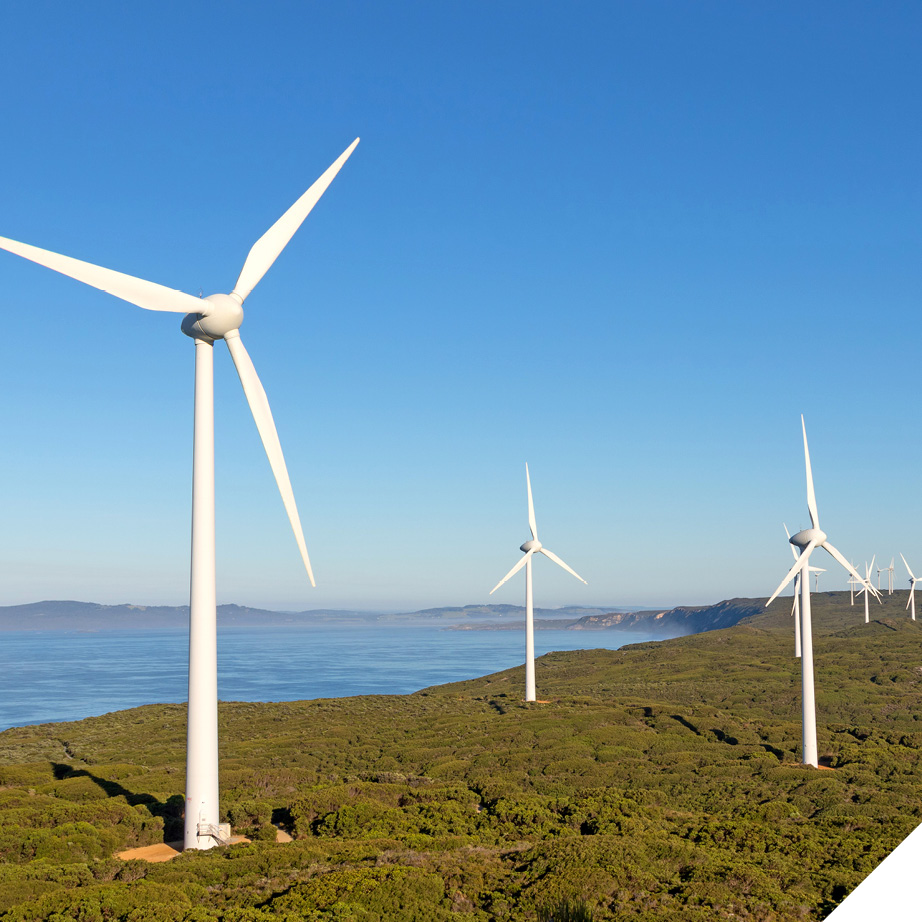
[
  {"x": 533, "y": 545},
  {"x": 221, "y": 314},
  {"x": 803, "y": 538}
]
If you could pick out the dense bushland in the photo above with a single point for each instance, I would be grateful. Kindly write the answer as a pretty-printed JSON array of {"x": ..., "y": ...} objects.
[{"x": 659, "y": 782}]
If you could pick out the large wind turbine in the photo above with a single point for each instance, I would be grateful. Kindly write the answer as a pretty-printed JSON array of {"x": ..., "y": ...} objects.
[
  {"x": 531, "y": 548},
  {"x": 912, "y": 589},
  {"x": 807, "y": 540},
  {"x": 216, "y": 317}
]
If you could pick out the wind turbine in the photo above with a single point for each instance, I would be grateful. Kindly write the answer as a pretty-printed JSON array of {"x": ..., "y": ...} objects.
[
  {"x": 531, "y": 548},
  {"x": 816, "y": 577},
  {"x": 807, "y": 540},
  {"x": 912, "y": 589},
  {"x": 890, "y": 576},
  {"x": 867, "y": 576},
  {"x": 851, "y": 586},
  {"x": 216, "y": 317}
]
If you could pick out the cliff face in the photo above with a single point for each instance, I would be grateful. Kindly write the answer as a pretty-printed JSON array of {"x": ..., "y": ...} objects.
[{"x": 675, "y": 621}]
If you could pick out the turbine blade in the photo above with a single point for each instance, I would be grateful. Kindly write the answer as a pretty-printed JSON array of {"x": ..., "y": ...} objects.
[
  {"x": 266, "y": 250},
  {"x": 560, "y": 563},
  {"x": 259, "y": 407},
  {"x": 793, "y": 549},
  {"x": 811, "y": 496},
  {"x": 912, "y": 590},
  {"x": 513, "y": 571},
  {"x": 837, "y": 556},
  {"x": 149, "y": 295},
  {"x": 531, "y": 507},
  {"x": 799, "y": 565},
  {"x": 907, "y": 568}
]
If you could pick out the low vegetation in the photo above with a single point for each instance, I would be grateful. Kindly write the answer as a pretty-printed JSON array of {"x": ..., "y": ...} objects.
[{"x": 658, "y": 782}]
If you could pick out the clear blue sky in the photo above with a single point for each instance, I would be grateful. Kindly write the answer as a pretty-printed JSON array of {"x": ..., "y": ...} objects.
[{"x": 627, "y": 242}]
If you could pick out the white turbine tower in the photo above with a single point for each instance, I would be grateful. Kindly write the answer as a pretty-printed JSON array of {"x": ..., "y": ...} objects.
[
  {"x": 216, "y": 317},
  {"x": 912, "y": 589},
  {"x": 890, "y": 576},
  {"x": 807, "y": 540},
  {"x": 868, "y": 570},
  {"x": 531, "y": 548}
]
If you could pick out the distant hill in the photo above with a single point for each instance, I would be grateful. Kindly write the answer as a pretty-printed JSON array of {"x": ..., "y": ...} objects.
[
  {"x": 831, "y": 612},
  {"x": 675, "y": 622},
  {"x": 92, "y": 616}
]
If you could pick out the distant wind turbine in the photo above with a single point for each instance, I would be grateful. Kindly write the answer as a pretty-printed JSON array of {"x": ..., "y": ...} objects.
[
  {"x": 912, "y": 589},
  {"x": 890, "y": 576},
  {"x": 531, "y": 548},
  {"x": 807, "y": 540},
  {"x": 816, "y": 577},
  {"x": 218, "y": 316},
  {"x": 868, "y": 570}
]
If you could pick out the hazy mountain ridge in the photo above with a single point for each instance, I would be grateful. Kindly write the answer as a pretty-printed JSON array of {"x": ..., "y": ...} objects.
[
  {"x": 55, "y": 615},
  {"x": 671, "y": 622}
]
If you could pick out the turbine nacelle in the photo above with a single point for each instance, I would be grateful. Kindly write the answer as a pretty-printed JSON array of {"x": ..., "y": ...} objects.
[
  {"x": 532, "y": 544},
  {"x": 219, "y": 316},
  {"x": 803, "y": 538}
]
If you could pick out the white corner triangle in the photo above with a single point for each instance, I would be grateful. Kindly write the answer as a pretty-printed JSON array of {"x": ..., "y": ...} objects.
[{"x": 893, "y": 890}]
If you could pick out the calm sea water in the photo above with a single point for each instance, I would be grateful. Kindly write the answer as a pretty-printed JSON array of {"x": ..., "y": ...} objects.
[{"x": 63, "y": 675}]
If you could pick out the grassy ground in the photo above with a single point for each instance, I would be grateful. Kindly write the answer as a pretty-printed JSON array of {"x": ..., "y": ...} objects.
[{"x": 658, "y": 782}]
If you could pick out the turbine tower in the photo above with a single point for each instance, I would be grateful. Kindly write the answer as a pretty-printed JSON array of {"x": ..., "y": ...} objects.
[
  {"x": 531, "y": 548},
  {"x": 890, "y": 576},
  {"x": 912, "y": 589},
  {"x": 206, "y": 320},
  {"x": 807, "y": 540}
]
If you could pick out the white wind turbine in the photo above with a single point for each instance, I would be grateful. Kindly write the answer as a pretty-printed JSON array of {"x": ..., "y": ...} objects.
[
  {"x": 795, "y": 608},
  {"x": 868, "y": 570},
  {"x": 531, "y": 548},
  {"x": 216, "y": 317},
  {"x": 912, "y": 589},
  {"x": 816, "y": 577},
  {"x": 890, "y": 576},
  {"x": 807, "y": 540}
]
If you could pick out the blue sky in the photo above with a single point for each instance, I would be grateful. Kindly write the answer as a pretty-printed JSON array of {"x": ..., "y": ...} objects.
[{"x": 628, "y": 243}]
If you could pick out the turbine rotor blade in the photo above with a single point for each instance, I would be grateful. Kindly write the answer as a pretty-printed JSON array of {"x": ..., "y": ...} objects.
[
  {"x": 811, "y": 495},
  {"x": 259, "y": 407},
  {"x": 149, "y": 295},
  {"x": 912, "y": 590},
  {"x": 793, "y": 549},
  {"x": 907, "y": 568},
  {"x": 837, "y": 556},
  {"x": 560, "y": 563},
  {"x": 266, "y": 250},
  {"x": 799, "y": 565},
  {"x": 531, "y": 507},
  {"x": 513, "y": 571}
]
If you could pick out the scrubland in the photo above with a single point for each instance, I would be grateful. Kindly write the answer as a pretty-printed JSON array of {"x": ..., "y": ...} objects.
[{"x": 658, "y": 782}]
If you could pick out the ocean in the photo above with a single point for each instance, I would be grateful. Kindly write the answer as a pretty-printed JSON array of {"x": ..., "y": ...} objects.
[{"x": 51, "y": 676}]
